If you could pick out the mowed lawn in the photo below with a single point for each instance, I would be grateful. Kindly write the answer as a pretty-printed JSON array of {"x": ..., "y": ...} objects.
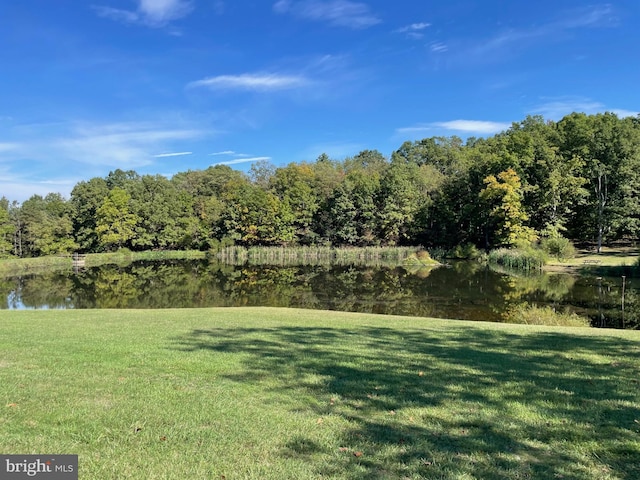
[{"x": 259, "y": 393}]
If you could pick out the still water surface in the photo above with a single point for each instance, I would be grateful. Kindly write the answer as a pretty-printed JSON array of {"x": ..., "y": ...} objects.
[{"x": 464, "y": 290}]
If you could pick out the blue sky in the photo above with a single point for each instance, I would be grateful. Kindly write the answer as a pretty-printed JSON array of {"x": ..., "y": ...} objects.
[{"x": 163, "y": 86}]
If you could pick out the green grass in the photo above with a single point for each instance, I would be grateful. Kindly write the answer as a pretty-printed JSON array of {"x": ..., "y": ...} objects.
[
  {"x": 16, "y": 266},
  {"x": 258, "y": 393},
  {"x": 19, "y": 266},
  {"x": 126, "y": 256},
  {"x": 612, "y": 261},
  {"x": 526, "y": 314}
]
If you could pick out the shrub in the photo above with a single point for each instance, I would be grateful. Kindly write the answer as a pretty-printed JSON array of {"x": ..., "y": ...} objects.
[
  {"x": 558, "y": 247},
  {"x": 468, "y": 251},
  {"x": 438, "y": 253},
  {"x": 533, "y": 315},
  {"x": 421, "y": 257}
]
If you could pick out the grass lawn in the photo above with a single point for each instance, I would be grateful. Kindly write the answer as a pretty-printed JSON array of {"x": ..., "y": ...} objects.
[
  {"x": 609, "y": 258},
  {"x": 258, "y": 393}
]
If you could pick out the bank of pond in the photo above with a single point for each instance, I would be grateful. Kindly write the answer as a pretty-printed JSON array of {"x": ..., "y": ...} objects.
[{"x": 467, "y": 290}]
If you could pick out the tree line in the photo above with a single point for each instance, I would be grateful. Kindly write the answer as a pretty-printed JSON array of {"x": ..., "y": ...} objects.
[{"x": 577, "y": 178}]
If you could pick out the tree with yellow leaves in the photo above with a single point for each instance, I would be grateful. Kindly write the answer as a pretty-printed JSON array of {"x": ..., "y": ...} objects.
[{"x": 503, "y": 196}]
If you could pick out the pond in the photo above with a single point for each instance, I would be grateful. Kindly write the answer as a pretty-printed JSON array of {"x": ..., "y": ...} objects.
[{"x": 464, "y": 290}]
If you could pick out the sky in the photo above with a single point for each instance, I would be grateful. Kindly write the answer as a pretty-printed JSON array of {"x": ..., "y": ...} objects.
[{"x": 166, "y": 86}]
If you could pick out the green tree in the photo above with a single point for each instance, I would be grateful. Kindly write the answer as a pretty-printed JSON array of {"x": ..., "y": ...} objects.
[
  {"x": 115, "y": 224},
  {"x": 45, "y": 226},
  {"x": 165, "y": 215},
  {"x": 121, "y": 179},
  {"x": 6, "y": 229},
  {"x": 610, "y": 150},
  {"x": 86, "y": 198},
  {"x": 210, "y": 192},
  {"x": 294, "y": 185},
  {"x": 261, "y": 173},
  {"x": 252, "y": 216},
  {"x": 341, "y": 226},
  {"x": 443, "y": 153},
  {"x": 399, "y": 201}
]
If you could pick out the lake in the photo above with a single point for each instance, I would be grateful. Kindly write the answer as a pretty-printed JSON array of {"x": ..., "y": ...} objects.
[{"x": 463, "y": 290}]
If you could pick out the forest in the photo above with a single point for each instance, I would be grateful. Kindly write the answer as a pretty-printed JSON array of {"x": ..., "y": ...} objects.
[{"x": 574, "y": 180}]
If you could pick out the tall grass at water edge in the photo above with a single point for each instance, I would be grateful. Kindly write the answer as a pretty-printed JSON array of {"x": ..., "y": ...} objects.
[
  {"x": 517, "y": 259},
  {"x": 237, "y": 255},
  {"x": 22, "y": 266}
]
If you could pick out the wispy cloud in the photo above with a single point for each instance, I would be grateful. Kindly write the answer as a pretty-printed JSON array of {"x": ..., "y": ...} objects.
[
  {"x": 335, "y": 150},
  {"x": 176, "y": 154},
  {"x": 414, "y": 30},
  {"x": 6, "y": 147},
  {"x": 243, "y": 160},
  {"x": 225, "y": 152},
  {"x": 437, "y": 47},
  {"x": 119, "y": 144},
  {"x": 19, "y": 188},
  {"x": 481, "y": 127},
  {"x": 556, "y": 108},
  {"x": 414, "y": 27},
  {"x": 252, "y": 81},
  {"x": 152, "y": 13},
  {"x": 231, "y": 153},
  {"x": 473, "y": 126},
  {"x": 592, "y": 16},
  {"x": 124, "y": 144},
  {"x": 588, "y": 16},
  {"x": 55, "y": 152},
  {"x": 338, "y": 13},
  {"x": 622, "y": 113}
]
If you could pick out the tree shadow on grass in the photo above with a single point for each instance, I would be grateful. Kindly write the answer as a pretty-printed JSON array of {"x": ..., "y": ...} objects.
[{"x": 446, "y": 404}]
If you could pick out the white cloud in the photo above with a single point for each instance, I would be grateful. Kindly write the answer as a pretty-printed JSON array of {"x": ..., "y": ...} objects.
[
  {"x": 513, "y": 41},
  {"x": 40, "y": 158},
  {"x": 176, "y": 154},
  {"x": 243, "y": 160},
  {"x": 117, "y": 14},
  {"x": 588, "y": 16},
  {"x": 7, "y": 147},
  {"x": 20, "y": 189},
  {"x": 437, "y": 47},
  {"x": 126, "y": 144},
  {"x": 414, "y": 27},
  {"x": 416, "y": 130},
  {"x": 160, "y": 12},
  {"x": 251, "y": 81},
  {"x": 556, "y": 108},
  {"x": 152, "y": 13},
  {"x": 231, "y": 153},
  {"x": 333, "y": 150},
  {"x": 480, "y": 127},
  {"x": 119, "y": 144},
  {"x": 339, "y": 13},
  {"x": 622, "y": 113},
  {"x": 473, "y": 126}
]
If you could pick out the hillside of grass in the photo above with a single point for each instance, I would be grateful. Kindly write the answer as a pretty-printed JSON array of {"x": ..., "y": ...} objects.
[{"x": 260, "y": 393}]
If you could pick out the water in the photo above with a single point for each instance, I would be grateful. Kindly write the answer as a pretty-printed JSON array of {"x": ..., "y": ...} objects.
[{"x": 464, "y": 291}]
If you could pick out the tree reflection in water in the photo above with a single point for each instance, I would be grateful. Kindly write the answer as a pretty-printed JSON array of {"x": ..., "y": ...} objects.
[{"x": 462, "y": 290}]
